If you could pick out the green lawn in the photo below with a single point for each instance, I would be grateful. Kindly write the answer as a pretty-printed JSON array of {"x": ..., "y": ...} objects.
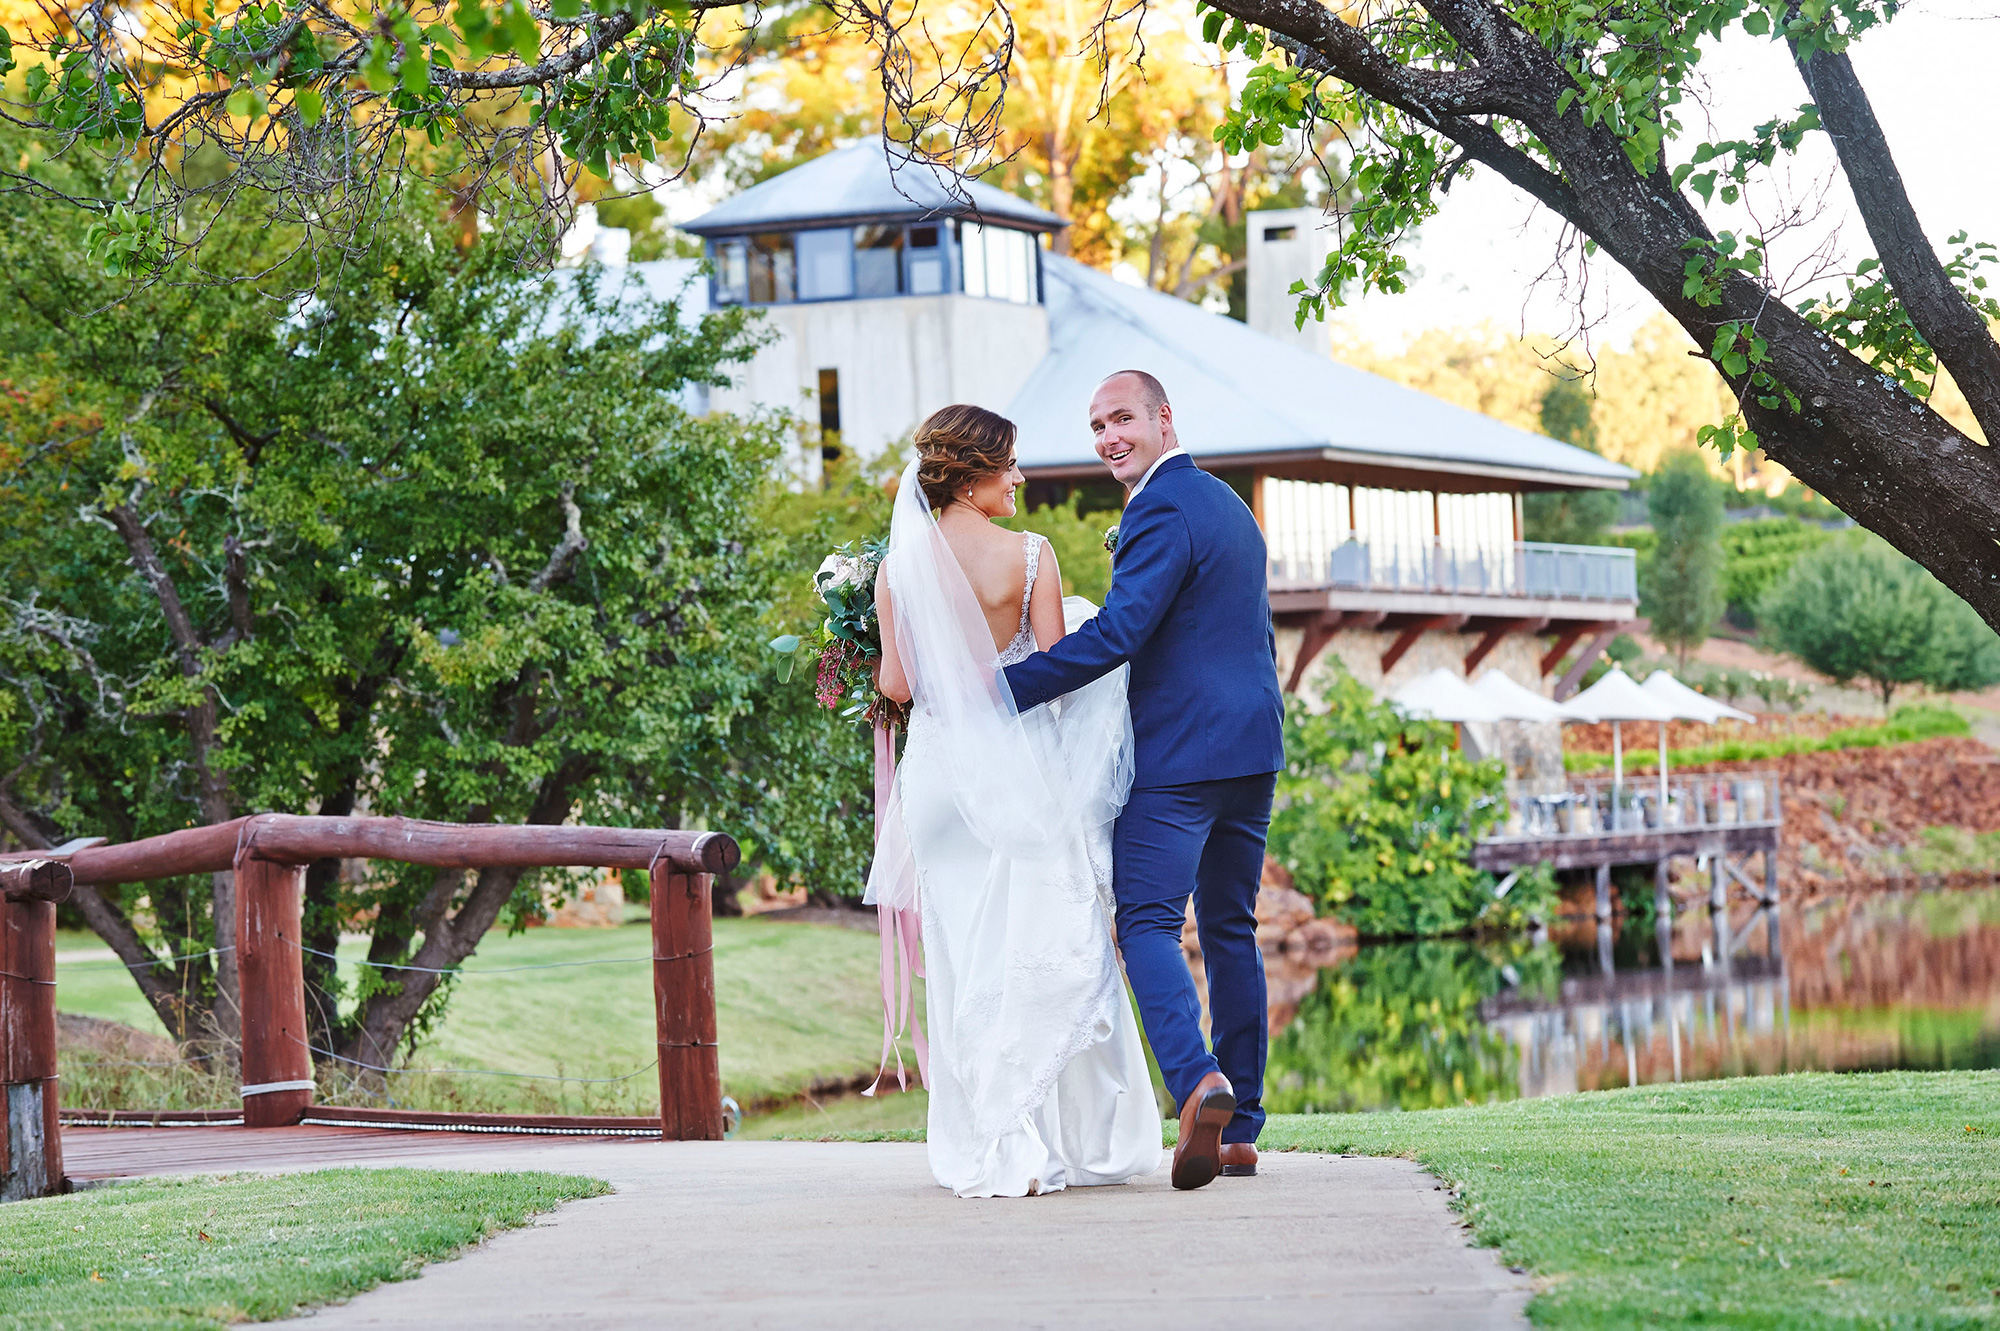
[
  {"x": 173, "y": 1253},
  {"x": 1810, "y": 1200},
  {"x": 795, "y": 1004}
]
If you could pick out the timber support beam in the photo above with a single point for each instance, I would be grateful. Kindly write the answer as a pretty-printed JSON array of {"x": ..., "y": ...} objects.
[
  {"x": 1491, "y": 639},
  {"x": 1414, "y": 630}
]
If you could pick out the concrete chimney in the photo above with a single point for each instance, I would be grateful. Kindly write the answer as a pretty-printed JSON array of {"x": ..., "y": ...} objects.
[{"x": 1287, "y": 245}]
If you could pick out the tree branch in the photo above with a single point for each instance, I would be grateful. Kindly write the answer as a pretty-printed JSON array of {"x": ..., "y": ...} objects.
[
  {"x": 1480, "y": 142},
  {"x": 568, "y": 548},
  {"x": 1940, "y": 311}
]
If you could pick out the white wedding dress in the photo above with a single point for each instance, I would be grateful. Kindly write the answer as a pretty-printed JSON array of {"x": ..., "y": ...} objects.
[{"x": 1001, "y": 824}]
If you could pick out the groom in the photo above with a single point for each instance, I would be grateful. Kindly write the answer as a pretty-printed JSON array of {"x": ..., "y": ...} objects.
[{"x": 1189, "y": 609}]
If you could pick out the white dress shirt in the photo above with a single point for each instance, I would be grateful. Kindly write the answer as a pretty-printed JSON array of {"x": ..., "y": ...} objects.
[{"x": 1173, "y": 452}]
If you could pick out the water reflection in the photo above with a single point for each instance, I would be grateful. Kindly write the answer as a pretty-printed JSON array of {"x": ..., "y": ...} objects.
[{"x": 1848, "y": 984}]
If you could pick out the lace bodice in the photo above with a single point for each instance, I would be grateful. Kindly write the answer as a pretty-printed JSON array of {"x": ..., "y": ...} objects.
[{"x": 1022, "y": 645}]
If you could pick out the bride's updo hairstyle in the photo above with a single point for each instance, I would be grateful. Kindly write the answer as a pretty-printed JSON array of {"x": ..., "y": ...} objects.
[{"x": 959, "y": 445}]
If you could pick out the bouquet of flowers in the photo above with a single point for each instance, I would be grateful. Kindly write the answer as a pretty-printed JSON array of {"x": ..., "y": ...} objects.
[{"x": 847, "y": 645}]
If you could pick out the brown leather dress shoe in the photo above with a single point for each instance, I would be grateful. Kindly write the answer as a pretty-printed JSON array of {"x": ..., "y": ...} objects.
[
  {"x": 1239, "y": 1159},
  {"x": 1197, "y": 1156}
]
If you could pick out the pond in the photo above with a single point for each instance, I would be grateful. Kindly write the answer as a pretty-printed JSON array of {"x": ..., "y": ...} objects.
[{"x": 1856, "y": 983}]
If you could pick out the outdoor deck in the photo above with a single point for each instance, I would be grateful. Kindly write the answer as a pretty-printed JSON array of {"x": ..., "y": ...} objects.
[{"x": 1591, "y": 822}]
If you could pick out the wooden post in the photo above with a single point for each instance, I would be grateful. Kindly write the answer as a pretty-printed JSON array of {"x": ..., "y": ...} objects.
[
  {"x": 684, "y": 1006},
  {"x": 277, "y": 1063},
  {"x": 1604, "y": 891},
  {"x": 30, "y": 1135}
]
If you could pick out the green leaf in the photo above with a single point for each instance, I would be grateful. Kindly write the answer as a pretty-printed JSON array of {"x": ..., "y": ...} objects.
[
  {"x": 311, "y": 105},
  {"x": 375, "y": 70},
  {"x": 415, "y": 75}
]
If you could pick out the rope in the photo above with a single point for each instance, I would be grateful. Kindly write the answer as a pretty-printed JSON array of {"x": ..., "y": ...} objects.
[
  {"x": 484, "y": 970},
  {"x": 480, "y": 1072},
  {"x": 143, "y": 965}
]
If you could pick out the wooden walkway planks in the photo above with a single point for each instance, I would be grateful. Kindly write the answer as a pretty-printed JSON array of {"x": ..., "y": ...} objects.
[{"x": 100, "y": 1153}]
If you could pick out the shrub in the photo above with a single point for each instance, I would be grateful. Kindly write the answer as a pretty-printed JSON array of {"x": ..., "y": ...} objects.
[
  {"x": 1857, "y": 609},
  {"x": 1376, "y": 816}
]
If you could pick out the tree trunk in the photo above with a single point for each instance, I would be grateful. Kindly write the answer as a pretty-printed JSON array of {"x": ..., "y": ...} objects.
[
  {"x": 450, "y": 939},
  {"x": 1062, "y": 189}
]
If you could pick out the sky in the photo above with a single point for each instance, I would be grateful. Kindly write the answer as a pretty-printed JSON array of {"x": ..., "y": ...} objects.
[{"x": 1930, "y": 75}]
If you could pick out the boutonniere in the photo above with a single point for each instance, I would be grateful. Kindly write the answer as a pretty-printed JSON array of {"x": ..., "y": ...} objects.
[{"x": 1111, "y": 539}]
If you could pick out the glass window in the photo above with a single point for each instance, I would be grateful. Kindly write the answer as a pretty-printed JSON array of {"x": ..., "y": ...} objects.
[
  {"x": 772, "y": 271},
  {"x": 927, "y": 260},
  {"x": 878, "y": 260},
  {"x": 732, "y": 272},
  {"x": 972, "y": 257},
  {"x": 999, "y": 263},
  {"x": 826, "y": 264}
]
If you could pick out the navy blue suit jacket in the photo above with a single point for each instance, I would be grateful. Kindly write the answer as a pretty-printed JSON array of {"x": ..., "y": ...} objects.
[{"x": 1190, "y": 609}]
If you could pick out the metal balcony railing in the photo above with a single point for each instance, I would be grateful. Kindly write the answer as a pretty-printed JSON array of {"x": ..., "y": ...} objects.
[{"x": 1527, "y": 569}]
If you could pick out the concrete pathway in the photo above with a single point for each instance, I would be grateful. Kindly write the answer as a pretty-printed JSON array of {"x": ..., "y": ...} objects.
[{"x": 836, "y": 1235}]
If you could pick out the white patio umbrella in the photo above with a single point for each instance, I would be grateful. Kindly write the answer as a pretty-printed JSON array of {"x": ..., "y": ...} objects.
[
  {"x": 1515, "y": 700},
  {"x": 1687, "y": 705},
  {"x": 1618, "y": 698},
  {"x": 1443, "y": 696}
]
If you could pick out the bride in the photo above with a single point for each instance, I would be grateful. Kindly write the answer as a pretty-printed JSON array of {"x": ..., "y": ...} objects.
[{"x": 998, "y": 830}]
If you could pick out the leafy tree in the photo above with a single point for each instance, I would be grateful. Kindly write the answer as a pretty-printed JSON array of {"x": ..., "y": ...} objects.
[
  {"x": 1857, "y": 609},
  {"x": 1376, "y": 815},
  {"x": 1682, "y": 592},
  {"x": 1569, "y": 517},
  {"x": 443, "y": 542}
]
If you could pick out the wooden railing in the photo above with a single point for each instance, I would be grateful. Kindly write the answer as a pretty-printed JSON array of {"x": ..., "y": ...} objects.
[{"x": 269, "y": 853}]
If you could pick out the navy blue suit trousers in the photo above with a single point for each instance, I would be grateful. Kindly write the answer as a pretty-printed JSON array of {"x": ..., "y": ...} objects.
[{"x": 1204, "y": 839}]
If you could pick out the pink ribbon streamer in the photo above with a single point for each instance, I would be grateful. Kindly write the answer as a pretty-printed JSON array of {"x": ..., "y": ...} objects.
[{"x": 902, "y": 933}]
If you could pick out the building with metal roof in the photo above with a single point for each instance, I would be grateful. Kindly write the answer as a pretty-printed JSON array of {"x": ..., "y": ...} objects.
[{"x": 1394, "y": 519}]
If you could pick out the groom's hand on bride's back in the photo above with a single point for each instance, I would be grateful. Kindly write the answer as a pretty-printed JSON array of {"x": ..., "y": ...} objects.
[{"x": 1154, "y": 553}]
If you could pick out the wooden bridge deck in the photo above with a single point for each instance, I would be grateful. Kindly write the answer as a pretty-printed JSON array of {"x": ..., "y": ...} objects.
[{"x": 91, "y": 1154}]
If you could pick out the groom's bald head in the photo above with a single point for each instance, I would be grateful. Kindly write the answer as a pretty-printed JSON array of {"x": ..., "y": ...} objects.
[
  {"x": 1150, "y": 390},
  {"x": 1133, "y": 424}
]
